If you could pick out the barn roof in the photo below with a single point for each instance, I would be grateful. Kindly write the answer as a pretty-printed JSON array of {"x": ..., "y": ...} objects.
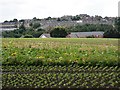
[{"x": 84, "y": 34}]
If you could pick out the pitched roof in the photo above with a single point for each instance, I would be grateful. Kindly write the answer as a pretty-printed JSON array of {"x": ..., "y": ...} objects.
[
  {"x": 46, "y": 35},
  {"x": 84, "y": 34}
]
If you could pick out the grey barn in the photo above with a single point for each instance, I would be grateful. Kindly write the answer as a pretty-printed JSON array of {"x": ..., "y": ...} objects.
[{"x": 97, "y": 34}]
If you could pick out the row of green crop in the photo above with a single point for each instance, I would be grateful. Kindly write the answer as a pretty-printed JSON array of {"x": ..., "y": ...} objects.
[
  {"x": 58, "y": 69},
  {"x": 69, "y": 80},
  {"x": 60, "y": 76},
  {"x": 59, "y": 56}
]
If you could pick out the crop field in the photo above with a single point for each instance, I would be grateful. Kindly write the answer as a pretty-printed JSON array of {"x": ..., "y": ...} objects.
[{"x": 49, "y": 63}]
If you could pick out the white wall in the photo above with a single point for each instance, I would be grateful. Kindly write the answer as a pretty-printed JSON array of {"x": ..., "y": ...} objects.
[{"x": 43, "y": 36}]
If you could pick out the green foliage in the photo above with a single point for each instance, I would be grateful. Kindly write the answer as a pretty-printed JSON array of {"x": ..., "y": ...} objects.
[
  {"x": 22, "y": 32},
  {"x": 37, "y": 34},
  {"x": 75, "y": 18},
  {"x": 15, "y": 20},
  {"x": 58, "y": 32},
  {"x": 117, "y": 24},
  {"x": 22, "y": 20},
  {"x": 6, "y": 21},
  {"x": 61, "y": 63},
  {"x": 17, "y": 35},
  {"x": 72, "y": 76},
  {"x": 89, "y": 28},
  {"x": 48, "y": 18},
  {"x": 22, "y": 26},
  {"x": 112, "y": 33},
  {"x": 115, "y": 31},
  {"x": 31, "y": 24},
  {"x": 58, "y": 19},
  {"x": 90, "y": 52},
  {"x": 34, "y": 18},
  {"x": 36, "y": 25},
  {"x": 27, "y": 36}
]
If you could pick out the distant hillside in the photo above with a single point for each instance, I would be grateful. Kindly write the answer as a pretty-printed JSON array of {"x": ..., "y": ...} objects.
[
  {"x": 79, "y": 23},
  {"x": 65, "y": 21}
]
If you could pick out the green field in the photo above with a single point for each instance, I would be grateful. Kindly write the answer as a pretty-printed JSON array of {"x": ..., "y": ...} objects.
[{"x": 39, "y": 63}]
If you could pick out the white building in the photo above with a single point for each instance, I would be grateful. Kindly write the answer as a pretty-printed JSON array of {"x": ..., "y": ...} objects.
[{"x": 45, "y": 36}]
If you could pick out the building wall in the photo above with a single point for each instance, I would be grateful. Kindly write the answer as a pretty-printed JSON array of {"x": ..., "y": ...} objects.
[{"x": 43, "y": 36}]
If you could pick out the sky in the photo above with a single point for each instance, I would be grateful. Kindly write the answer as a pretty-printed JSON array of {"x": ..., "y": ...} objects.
[{"x": 27, "y": 9}]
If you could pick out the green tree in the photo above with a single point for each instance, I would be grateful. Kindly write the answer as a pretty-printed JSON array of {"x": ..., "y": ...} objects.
[
  {"x": 22, "y": 27},
  {"x": 117, "y": 24},
  {"x": 115, "y": 31},
  {"x": 37, "y": 34},
  {"x": 58, "y": 19},
  {"x": 27, "y": 36},
  {"x": 22, "y": 21},
  {"x": 58, "y": 32},
  {"x": 15, "y": 20},
  {"x": 36, "y": 25},
  {"x": 112, "y": 33},
  {"x": 31, "y": 24},
  {"x": 34, "y": 18},
  {"x": 48, "y": 18},
  {"x": 75, "y": 18},
  {"x": 6, "y": 21}
]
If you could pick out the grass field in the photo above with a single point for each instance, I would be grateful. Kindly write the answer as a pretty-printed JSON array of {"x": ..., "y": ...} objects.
[{"x": 84, "y": 62}]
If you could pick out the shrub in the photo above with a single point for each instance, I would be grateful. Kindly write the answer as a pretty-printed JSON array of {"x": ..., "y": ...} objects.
[{"x": 28, "y": 36}]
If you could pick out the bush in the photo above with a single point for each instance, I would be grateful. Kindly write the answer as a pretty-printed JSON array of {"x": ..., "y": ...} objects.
[
  {"x": 28, "y": 36},
  {"x": 58, "y": 32},
  {"x": 36, "y": 25}
]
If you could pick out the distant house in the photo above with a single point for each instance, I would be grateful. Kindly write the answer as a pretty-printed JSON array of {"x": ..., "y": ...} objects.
[
  {"x": 97, "y": 34},
  {"x": 8, "y": 26},
  {"x": 45, "y": 36}
]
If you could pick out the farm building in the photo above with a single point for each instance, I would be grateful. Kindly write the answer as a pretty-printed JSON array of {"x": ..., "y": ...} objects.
[
  {"x": 45, "y": 36},
  {"x": 97, "y": 34}
]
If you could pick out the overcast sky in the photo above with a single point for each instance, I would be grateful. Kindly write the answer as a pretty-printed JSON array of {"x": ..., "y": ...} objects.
[{"x": 27, "y": 9}]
